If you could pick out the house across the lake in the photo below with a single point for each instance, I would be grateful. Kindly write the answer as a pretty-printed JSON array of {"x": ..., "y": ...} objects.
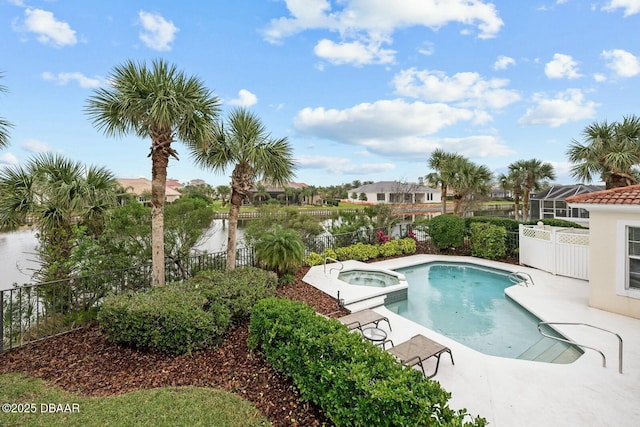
[
  {"x": 394, "y": 192},
  {"x": 141, "y": 188}
]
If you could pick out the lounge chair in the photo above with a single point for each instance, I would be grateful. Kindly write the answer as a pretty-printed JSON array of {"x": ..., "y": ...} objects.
[
  {"x": 363, "y": 317},
  {"x": 417, "y": 350}
]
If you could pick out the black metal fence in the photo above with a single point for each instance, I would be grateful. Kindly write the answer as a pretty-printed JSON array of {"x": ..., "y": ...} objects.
[{"x": 35, "y": 311}]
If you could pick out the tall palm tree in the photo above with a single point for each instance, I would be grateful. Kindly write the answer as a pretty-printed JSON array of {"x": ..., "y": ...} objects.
[
  {"x": 513, "y": 182},
  {"x": 245, "y": 143},
  {"x": 535, "y": 175},
  {"x": 443, "y": 164},
  {"x": 468, "y": 181},
  {"x": 4, "y": 124},
  {"x": 610, "y": 150},
  {"x": 163, "y": 104},
  {"x": 57, "y": 194}
]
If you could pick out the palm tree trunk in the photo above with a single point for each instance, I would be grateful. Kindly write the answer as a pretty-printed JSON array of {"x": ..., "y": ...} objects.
[
  {"x": 525, "y": 205},
  {"x": 159, "y": 162},
  {"x": 516, "y": 206},
  {"x": 234, "y": 213},
  {"x": 444, "y": 199}
]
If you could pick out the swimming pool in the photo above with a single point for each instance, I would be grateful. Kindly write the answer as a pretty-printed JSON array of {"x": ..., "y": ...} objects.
[{"x": 467, "y": 303}]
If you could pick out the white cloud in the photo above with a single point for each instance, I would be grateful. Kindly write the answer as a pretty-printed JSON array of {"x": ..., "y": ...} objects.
[
  {"x": 503, "y": 62},
  {"x": 8, "y": 159},
  {"x": 157, "y": 33},
  {"x": 623, "y": 63},
  {"x": 364, "y": 25},
  {"x": 631, "y": 7},
  {"x": 467, "y": 89},
  {"x": 35, "y": 146},
  {"x": 598, "y": 77},
  {"x": 342, "y": 165},
  {"x": 64, "y": 79},
  {"x": 562, "y": 66},
  {"x": 396, "y": 129},
  {"x": 355, "y": 53},
  {"x": 48, "y": 29},
  {"x": 565, "y": 107},
  {"x": 244, "y": 99}
]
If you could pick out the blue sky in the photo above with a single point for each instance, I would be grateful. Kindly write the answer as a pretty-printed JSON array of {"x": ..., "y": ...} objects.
[{"x": 363, "y": 89}]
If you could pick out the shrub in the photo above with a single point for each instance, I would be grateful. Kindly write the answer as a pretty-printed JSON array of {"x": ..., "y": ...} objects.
[
  {"x": 354, "y": 382},
  {"x": 488, "y": 240},
  {"x": 508, "y": 223},
  {"x": 447, "y": 231},
  {"x": 238, "y": 290},
  {"x": 173, "y": 319},
  {"x": 554, "y": 222},
  {"x": 313, "y": 259},
  {"x": 280, "y": 250}
]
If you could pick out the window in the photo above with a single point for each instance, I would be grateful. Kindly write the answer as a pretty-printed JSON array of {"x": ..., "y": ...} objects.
[
  {"x": 633, "y": 257},
  {"x": 380, "y": 197}
]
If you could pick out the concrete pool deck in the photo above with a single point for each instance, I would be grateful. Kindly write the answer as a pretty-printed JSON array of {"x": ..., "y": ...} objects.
[{"x": 512, "y": 392}]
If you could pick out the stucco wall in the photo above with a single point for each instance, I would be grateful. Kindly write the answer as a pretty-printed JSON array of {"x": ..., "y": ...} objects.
[{"x": 606, "y": 256}]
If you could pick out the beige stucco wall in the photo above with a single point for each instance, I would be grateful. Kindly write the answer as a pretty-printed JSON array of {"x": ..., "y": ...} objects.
[{"x": 606, "y": 250}]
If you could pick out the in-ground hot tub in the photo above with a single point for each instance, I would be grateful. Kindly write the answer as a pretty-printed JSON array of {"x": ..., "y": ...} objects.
[{"x": 375, "y": 278}]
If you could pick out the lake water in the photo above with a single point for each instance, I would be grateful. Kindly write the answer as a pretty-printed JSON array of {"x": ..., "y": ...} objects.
[{"x": 18, "y": 251}]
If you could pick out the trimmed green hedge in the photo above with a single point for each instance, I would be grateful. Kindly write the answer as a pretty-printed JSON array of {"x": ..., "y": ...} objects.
[
  {"x": 173, "y": 319},
  {"x": 508, "y": 223},
  {"x": 354, "y": 382},
  {"x": 364, "y": 252},
  {"x": 488, "y": 241},
  {"x": 447, "y": 231},
  {"x": 180, "y": 317}
]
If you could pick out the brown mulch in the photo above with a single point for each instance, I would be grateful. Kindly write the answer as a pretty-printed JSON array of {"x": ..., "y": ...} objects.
[{"x": 84, "y": 362}]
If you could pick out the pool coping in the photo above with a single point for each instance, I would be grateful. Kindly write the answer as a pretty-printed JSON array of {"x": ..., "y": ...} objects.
[{"x": 511, "y": 392}]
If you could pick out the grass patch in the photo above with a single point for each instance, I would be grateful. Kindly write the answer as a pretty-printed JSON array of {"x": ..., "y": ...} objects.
[{"x": 167, "y": 406}]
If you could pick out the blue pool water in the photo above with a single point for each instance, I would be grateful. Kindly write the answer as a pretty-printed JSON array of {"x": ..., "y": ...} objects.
[{"x": 467, "y": 303}]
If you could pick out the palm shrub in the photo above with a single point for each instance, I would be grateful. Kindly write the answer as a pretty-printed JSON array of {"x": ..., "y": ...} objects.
[{"x": 280, "y": 250}]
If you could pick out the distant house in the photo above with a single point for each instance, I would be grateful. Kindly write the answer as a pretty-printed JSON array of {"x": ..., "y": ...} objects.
[
  {"x": 551, "y": 203},
  {"x": 614, "y": 248},
  {"x": 395, "y": 192},
  {"x": 175, "y": 184},
  {"x": 141, "y": 187}
]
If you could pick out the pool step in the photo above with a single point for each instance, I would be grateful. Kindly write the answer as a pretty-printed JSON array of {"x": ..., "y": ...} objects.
[
  {"x": 551, "y": 352},
  {"x": 367, "y": 303}
]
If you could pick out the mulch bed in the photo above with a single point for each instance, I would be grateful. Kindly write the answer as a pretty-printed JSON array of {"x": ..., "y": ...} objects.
[{"x": 84, "y": 362}]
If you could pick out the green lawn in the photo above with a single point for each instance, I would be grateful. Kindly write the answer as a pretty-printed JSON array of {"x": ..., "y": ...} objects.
[{"x": 168, "y": 406}]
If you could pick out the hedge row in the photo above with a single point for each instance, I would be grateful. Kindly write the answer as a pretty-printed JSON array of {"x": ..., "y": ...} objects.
[
  {"x": 180, "y": 317},
  {"x": 363, "y": 251},
  {"x": 354, "y": 382}
]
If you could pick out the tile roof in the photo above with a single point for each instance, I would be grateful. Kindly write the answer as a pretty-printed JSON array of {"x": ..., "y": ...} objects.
[{"x": 616, "y": 196}]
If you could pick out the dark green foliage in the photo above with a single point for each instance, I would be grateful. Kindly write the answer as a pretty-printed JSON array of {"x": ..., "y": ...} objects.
[
  {"x": 488, "y": 240},
  {"x": 447, "y": 231},
  {"x": 508, "y": 223},
  {"x": 280, "y": 251},
  {"x": 364, "y": 252},
  {"x": 354, "y": 382},
  {"x": 179, "y": 318},
  {"x": 238, "y": 289},
  {"x": 554, "y": 223},
  {"x": 173, "y": 319}
]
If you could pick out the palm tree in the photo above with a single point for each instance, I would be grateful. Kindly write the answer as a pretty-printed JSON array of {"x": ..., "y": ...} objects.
[
  {"x": 611, "y": 150},
  {"x": 443, "y": 164},
  {"x": 4, "y": 124},
  {"x": 162, "y": 104},
  {"x": 261, "y": 194},
  {"x": 513, "y": 182},
  {"x": 467, "y": 182},
  {"x": 534, "y": 175},
  {"x": 57, "y": 195},
  {"x": 245, "y": 143},
  {"x": 223, "y": 191},
  {"x": 280, "y": 250}
]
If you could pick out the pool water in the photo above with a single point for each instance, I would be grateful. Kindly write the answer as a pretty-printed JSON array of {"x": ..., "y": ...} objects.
[
  {"x": 467, "y": 303},
  {"x": 377, "y": 279}
]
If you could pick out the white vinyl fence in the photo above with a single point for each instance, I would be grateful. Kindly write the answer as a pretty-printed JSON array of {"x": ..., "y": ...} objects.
[{"x": 557, "y": 250}]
